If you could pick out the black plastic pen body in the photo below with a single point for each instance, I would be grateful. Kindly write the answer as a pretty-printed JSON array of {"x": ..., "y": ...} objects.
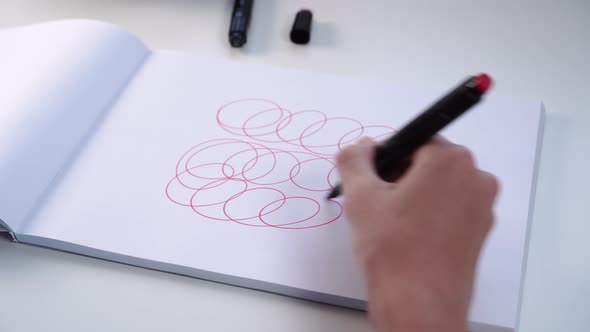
[
  {"x": 423, "y": 128},
  {"x": 240, "y": 21}
]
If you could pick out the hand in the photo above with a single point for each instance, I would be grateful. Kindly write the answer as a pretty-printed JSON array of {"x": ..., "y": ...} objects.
[{"x": 419, "y": 238}]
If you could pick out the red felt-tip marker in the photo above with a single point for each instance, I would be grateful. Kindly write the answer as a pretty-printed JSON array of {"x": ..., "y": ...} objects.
[{"x": 397, "y": 149}]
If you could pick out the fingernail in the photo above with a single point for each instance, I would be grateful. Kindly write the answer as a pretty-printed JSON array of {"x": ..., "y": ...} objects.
[{"x": 365, "y": 141}]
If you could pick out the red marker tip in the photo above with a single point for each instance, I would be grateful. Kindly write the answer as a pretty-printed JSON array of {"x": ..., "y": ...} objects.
[{"x": 483, "y": 82}]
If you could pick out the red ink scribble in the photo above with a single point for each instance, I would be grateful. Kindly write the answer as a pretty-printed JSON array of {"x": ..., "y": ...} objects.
[{"x": 273, "y": 172}]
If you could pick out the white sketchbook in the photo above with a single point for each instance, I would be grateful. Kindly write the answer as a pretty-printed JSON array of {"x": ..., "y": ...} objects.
[{"x": 218, "y": 170}]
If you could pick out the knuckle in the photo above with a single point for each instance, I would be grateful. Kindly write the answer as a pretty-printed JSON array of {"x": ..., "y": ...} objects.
[
  {"x": 447, "y": 155},
  {"x": 489, "y": 223},
  {"x": 428, "y": 153},
  {"x": 462, "y": 156},
  {"x": 366, "y": 140},
  {"x": 347, "y": 155},
  {"x": 491, "y": 184},
  {"x": 439, "y": 139}
]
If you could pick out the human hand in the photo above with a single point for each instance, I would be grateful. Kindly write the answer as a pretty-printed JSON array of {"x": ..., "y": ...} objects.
[{"x": 419, "y": 238}]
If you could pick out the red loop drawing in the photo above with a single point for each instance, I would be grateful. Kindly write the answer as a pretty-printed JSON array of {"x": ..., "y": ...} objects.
[{"x": 273, "y": 173}]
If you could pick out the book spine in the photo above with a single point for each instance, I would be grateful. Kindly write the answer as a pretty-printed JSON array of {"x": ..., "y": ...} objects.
[{"x": 5, "y": 229}]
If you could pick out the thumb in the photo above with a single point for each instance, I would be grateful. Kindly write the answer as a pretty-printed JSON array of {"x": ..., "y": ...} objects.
[{"x": 356, "y": 164}]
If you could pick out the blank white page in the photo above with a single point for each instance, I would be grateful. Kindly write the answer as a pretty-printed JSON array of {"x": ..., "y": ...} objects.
[
  {"x": 56, "y": 81},
  {"x": 223, "y": 167}
]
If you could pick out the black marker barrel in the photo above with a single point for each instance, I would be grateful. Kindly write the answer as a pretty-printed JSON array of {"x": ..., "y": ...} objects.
[
  {"x": 411, "y": 137},
  {"x": 397, "y": 149},
  {"x": 240, "y": 21}
]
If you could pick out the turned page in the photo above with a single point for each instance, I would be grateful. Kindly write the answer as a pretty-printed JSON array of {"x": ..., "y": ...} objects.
[{"x": 57, "y": 80}]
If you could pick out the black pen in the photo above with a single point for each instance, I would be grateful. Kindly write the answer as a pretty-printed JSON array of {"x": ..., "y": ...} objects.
[
  {"x": 397, "y": 149},
  {"x": 240, "y": 20}
]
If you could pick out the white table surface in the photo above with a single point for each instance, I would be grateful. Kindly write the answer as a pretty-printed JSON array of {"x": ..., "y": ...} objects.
[{"x": 533, "y": 48}]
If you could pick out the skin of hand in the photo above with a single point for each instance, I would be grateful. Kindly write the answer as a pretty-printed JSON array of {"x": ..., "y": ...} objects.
[{"x": 419, "y": 238}]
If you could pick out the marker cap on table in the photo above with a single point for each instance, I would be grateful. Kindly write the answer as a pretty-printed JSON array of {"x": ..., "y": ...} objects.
[{"x": 301, "y": 31}]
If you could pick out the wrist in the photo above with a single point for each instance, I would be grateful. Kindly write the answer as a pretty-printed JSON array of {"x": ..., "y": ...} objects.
[{"x": 406, "y": 295}]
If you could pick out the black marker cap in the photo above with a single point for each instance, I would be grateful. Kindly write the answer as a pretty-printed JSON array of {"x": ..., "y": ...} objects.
[{"x": 301, "y": 31}]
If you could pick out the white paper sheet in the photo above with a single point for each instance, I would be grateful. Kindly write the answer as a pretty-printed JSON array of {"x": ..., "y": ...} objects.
[
  {"x": 56, "y": 80},
  {"x": 124, "y": 193}
]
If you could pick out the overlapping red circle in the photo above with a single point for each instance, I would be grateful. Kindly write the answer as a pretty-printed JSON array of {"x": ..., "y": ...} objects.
[{"x": 255, "y": 177}]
